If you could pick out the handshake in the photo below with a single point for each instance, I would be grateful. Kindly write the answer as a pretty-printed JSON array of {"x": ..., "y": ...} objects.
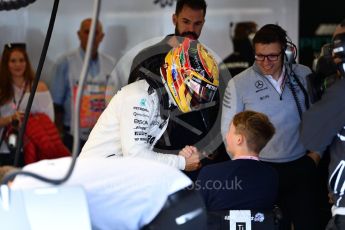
[{"x": 192, "y": 157}]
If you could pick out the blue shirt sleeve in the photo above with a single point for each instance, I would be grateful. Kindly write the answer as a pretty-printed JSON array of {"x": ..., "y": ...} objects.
[{"x": 60, "y": 86}]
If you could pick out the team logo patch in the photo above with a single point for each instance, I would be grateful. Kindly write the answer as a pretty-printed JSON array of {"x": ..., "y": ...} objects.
[
  {"x": 259, "y": 217},
  {"x": 143, "y": 102},
  {"x": 259, "y": 84}
]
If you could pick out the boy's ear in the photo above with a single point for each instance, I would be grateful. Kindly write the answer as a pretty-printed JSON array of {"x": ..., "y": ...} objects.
[{"x": 239, "y": 139}]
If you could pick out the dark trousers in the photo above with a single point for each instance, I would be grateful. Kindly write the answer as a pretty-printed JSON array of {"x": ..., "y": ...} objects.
[
  {"x": 297, "y": 194},
  {"x": 336, "y": 223},
  {"x": 6, "y": 159},
  {"x": 324, "y": 206},
  {"x": 68, "y": 141}
]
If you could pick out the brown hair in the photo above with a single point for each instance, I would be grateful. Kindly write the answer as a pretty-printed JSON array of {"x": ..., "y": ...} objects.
[
  {"x": 4, "y": 170},
  {"x": 256, "y": 127},
  {"x": 244, "y": 29},
  {"x": 6, "y": 89},
  {"x": 271, "y": 33}
]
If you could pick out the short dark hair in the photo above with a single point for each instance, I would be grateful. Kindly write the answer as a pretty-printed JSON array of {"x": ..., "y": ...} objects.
[
  {"x": 244, "y": 29},
  {"x": 256, "y": 127},
  {"x": 194, "y": 4},
  {"x": 271, "y": 33}
]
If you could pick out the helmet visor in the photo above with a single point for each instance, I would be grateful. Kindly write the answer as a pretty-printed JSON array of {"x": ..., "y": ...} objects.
[{"x": 202, "y": 92}]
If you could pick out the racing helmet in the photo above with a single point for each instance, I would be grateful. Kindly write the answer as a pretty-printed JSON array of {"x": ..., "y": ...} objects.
[{"x": 190, "y": 75}]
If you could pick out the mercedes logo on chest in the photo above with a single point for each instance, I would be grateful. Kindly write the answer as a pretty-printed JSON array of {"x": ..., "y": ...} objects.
[{"x": 259, "y": 84}]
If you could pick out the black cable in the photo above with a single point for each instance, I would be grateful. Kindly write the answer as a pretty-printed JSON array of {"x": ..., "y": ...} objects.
[
  {"x": 305, "y": 93},
  {"x": 293, "y": 91},
  {"x": 289, "y": 64},
  {"x": 4, "y": 131},
  {"x": 36, "y": 80},
  {"x": 294, "y": 94},
  {"x": 10, "y": 176}
]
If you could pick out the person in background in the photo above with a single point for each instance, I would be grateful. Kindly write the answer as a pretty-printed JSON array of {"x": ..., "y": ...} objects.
[
  {"x": 325, "y": 76},
  {"x": 98, "y": 85},
  {"x": 278, "y": 88},
  {"x": 246, "y": 183},
  {"x": 16, "y": 77},
  {"x": 188, "y": 19},
  {"x": 326, "y": 71},
  {"x": 243, "y": 55}
]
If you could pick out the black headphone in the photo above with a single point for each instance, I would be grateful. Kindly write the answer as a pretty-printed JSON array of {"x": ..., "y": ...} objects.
[
  {"x": 290, "y": 52},
  {"x": 274, "y": 33},
  {"x": 290, "y": 49}
]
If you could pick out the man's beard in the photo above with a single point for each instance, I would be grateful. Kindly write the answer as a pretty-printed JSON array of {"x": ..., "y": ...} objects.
[{"x": 188, "y": 34}]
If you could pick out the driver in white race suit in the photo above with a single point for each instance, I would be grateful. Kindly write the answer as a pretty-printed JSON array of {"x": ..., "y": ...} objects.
[{"x": 138, "y": 114}]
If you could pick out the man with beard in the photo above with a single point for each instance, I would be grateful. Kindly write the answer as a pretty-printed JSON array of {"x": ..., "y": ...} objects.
[
  {"x": 193, "y": 127},
  {"x": 188, "y": 19}
]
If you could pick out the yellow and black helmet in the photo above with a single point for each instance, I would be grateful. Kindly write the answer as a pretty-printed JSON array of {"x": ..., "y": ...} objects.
[{"x": 190, "y": 75}]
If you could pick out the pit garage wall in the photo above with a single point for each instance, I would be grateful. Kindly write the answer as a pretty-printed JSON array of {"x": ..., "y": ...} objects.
[{"x": 129, "y": 25}]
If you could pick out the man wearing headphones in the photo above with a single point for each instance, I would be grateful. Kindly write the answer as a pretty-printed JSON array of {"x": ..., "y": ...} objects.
[{"x": 277, "y": 87}]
